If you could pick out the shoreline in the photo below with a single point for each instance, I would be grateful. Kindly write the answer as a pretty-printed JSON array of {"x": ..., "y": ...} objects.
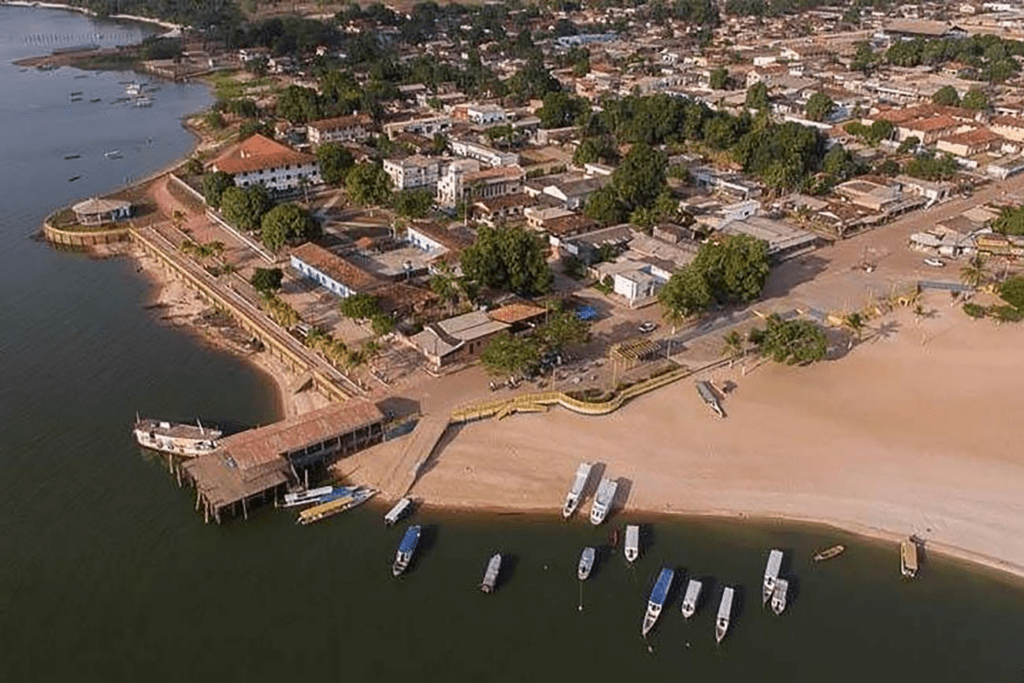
[{"x": 89, "y": 13}]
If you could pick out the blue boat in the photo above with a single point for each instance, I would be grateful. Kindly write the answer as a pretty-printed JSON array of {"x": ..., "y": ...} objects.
[
  {"x": 659, "y": 594},
  {"x": 406, "y": 549}
]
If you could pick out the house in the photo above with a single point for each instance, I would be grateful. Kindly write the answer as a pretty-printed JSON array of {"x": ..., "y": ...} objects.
[
  {"x": 441, "y": 244},
  {"x": 486, "y": 115},
  {"x": 485, "y": 155},
  {"x": 456, "y": 340},
  {"x": 927, "y": 129},
  {"x": 504, "y": 209},
  {"x": 99, "y": 211},
  {"x": 427, "y": 126},
  {"x": 462, "y": 183},
  {"x": 637, "y": 282},
  {"x": 261, "y": 161},
  {"x": 339, "y": 275},
  {"x": 1009, "y": 127},
  {"x": 969, "y": 143},
  {"x": 784, "y": 240},
  {"x": 353, "y": 128},
  {"x": 905, "y": 29},
  {"x": 413, "y": 172}
]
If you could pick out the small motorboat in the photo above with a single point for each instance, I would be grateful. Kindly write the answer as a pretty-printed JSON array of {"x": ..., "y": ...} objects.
[
  {"x": 74, "y": 178},
  {"x": 398, "y": 511},
  {"x": 406, "y": 549},
  {"x": 659, "y": 594},
  {"x": 829, "y": 553},
  {"x": 724, "y": 614},
  {"x": 691, "y": 598},
  {"x": 632, "y": 547},
  {"x": 586, "y": 563},
  {"x": 779, "y": 596},
  {"x": 490, "y": 581}
]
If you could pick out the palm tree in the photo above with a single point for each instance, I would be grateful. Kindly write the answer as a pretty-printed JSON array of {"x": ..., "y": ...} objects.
[
  {"x": 734, "y": 346},
  {"x": 975, "y": 272},
  {"x": 856, "y": 324}
]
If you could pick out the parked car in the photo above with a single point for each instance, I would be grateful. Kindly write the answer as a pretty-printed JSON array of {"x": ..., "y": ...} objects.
[
  {"x": 647, "y": 327},
  {"x": 934, "y": 262}
]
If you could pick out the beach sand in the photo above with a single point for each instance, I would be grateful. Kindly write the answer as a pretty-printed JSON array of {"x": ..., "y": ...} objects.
[{"x": 912, "y": 432}]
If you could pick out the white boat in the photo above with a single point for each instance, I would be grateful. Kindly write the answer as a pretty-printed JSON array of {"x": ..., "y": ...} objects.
[
  {"x": 306, "y": 497},
  {"x": 659, "y": 594},
  {"x": 691, "y": 598},
  {"x": 134, "y": 88},
  {"x": 587, "y": 558},
  {"x": 143, "y": 101},
  {"x": 175, "y": 438},
  {"x": 113, "y": 154},
  {"x": 572, "y": 499},
  {"x": 406, "y": 549},
  {"x": 333, "y": 505},
  {"x": 603, "y": 500},
  {"x": 398, "y": 511},
  {"x": 771, "y": 575},
  {"x": 724, "y": 614},
  {"x": 779, "y": 596},
  {"x": 490, "y": 581},
  {"x": 632, "y": 547},
  {"x": 908, "y": 558}
]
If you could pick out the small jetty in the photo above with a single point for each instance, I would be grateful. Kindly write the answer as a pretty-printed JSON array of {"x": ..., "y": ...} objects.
[
  {"x": 406, "y": 549},
  {"x": 586, "y": 564},
  {"x": 177, "y": 439},
  {"x": 724, "y": 613},
  {"x": 307, "y": 497},
  {"x": 579, "y": 483},
  {"x": 603, "y": 500},
  {"x": 771, "y": 575},
  {"x": 691, "y": 598},
  {"x": 908, "y": 558},
  {"x": 779, "y": 596},
  {"x": 659, "y": 594},
  {"x": 490, "y": 581},
  {"x": 829, "y": 553},
  {"x": 632, "y": 547},
  {"x": 399, "y": 511},
  {"x": 344, "y": 502},
  {"x": 710, "y": 398}
]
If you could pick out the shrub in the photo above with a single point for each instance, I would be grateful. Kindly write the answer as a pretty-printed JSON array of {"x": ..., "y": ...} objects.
[{"x": 974, "y": 310}]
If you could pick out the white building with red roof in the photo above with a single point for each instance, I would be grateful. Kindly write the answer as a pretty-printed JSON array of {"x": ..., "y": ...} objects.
[{"x": 261, "y": 161}]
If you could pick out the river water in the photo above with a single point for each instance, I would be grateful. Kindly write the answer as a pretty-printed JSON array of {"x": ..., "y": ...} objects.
[{"x": 107, "y": 573}]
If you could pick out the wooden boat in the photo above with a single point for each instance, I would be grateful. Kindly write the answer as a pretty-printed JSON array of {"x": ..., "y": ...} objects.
[
  {"x": 829, "y": 553},
  {"x": 579, "y": 483},
  {"x": 691, "y": 598},
  {"x": 771, "y": 575},
  {"x": 632, "y": 547},
  {"x": 613, "y": 538},
  {"x": 72, "y": 156},
  {"x": 307, "y": 497},
  {"x": 178, "y": 439},
  {"x": 603, "y": 500},
  {"x": 406, "y": 549},
  {"x": 398, "y": 511},
  {"x": 336, "y": 505},
  {"x": 586, "y": 564},
  {"x": 74, "y": 178},
  {"x": 908, "y": 558},
  {"x": 113, "y": 154},
  {"x": 490, "y": 581},
  {"x": 659, "y": 594},
  {"x": 724, "y": 613},
  {"x": 710, "y": 398},
  {"x": 779, "y": 596}
]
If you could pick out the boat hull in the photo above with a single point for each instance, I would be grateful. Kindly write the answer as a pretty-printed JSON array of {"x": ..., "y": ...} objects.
[
  {"x": 586, "y": 564},
  {"x": 189, "y": 441},
  {"x": 490, "y": 582},
  {"x": 829, "y": 553}
]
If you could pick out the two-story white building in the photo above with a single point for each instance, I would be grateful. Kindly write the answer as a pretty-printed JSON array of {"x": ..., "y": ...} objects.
[
  {"x": 414, "y": 172},
  {"x": 486, "y": 114},
  {"x": 261, "y": 161},
  {"x": 482, "y": 153},
  {"x": 353, "y": 128},
  {"x": 427, "y": 127},
  {"x": 464, "y": 181}
]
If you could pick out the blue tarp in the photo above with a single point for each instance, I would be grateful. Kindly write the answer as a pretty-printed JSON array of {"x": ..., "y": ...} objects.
[{"x": 586, "y": 313}]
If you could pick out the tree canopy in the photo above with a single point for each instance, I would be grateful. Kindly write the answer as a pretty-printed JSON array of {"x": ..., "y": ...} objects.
[
  {"x": 819, "y": 107},
  {"x": 757, "y": 96},
  {"x": 508, "y": 354},
  {"x": 975, "y": 99},
  {"x": 733, "y": 269},
  {"x": 412, "y": 203},
  {"x": 946, "y": 96},
  {"x": 360, "y": 306},
  {"x": 244, "y": 208},
  {"x": 214, "y": 184},
  {"x": 1012, "y": 291},
  {"x": 510, "y": 259},
  {"x": 793, "y": 342},
  {"x": 335, "y": 161},
  {"x": 287, "y": 223},
  {"x": 562, "y": 109},
  {"x": 266, "y": 280},
  {"x": 368, "y": 184},
  {"x": 1010, "y": 221}
]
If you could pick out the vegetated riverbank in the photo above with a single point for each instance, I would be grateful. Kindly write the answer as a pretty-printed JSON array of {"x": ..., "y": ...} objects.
[{"x": 89, "y": 13}]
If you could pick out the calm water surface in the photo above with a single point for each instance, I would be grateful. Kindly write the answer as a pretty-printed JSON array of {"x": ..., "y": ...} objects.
[{"x": 107, "y": 574}]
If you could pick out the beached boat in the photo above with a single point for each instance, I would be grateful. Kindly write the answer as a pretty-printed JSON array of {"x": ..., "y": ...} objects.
[
  {"x": 179, "y": 439},
  {"x": 603, "y": 500},
  {"x": 724, "y": 613},
  {"x": 490, "y": 581},
  {"x": 691, "y": 598},
  {"x": 406, "y": 549},
  {"x": 587, "y": 558},
  {"x": 307, "y": 497},
  {"x": 829, "y": 553},
  {"x": 659, "y": 594},
  {"x": 908, "y": 558},
  {"x": 710, "y": 398},
  {"x": 779, "y": 596},
  {"x": 771, "y": 575},
  {"x": 334, "y": 506},
  {"x": 632, "y": 547},
  {"x": 579, "y": 483},
  {"x": 113, "y": 154},
  {"x": 398, "y": 511}
]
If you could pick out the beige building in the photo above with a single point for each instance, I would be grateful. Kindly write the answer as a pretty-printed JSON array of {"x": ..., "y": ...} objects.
[
  {"x": 342, "y": 129},
  {"x": 412, "y": 173}
]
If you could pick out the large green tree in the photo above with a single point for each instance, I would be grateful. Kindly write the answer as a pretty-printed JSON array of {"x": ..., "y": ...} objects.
[
  {"x": 640, "y": 178},
  {"x": 267, "y": 280},
  {"x": 510, "y": 259},
  {"x": 794, "y": 342},
  {"x": 360, "y": 307},
  {"x": 757, "y": 96},
  {"x": 244, "y": 208},
  {"x": 975, "y": 99},
  {"x": 508, "y": 354},
  {"x": 686, "y": 294},
  {"x": 412, "y": 203},
  {"x": 368, "y": 184},
  {"x": 736, "y": 267},
  {"x": 946, "y": 96},
  {"x": 561, "y": 329},
  {"x": 819, "y": 107},
  {"x": 562, "y": 109},
  {"x": 335, "y": 162},
  {"x": 287, "y": 223},
  {"x": 214, "y": 184}
]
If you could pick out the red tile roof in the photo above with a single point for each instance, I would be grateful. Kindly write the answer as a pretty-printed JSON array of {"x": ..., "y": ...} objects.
[
  {"x": 257, "y": 153},
  {"x": 337, "y": 268}
]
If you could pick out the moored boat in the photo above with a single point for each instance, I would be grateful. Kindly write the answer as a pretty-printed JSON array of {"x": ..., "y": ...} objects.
[
  {"x": 307, "y": 497},
  {"x": 829, "y": 553},
  {"x": 908, "y": 558},
  {"x": 779, "y": 596},
  {"x": 175, "y": 438},
  {"x": 603, "y": 500},
  {"x": 724, "y": 613},
  {"x": 659, "y": 594},
  {"x": 632, "y": 547},
  {"x": 398, "y": 511},
  {"x": 579, "y": 483},
  {"x": 344, "y": 502},
  {"x": 406, "y": 549},
  {"x": 587, "y": 558},
  {"x": 490, "y": 581},
  {"x": 113, "y": 154},
  {"x": 771, "y": 575},
  {"x": 691, "y": 598},
  {"x": 710, "y": 398},
  {"x": 72, "y": 156}
]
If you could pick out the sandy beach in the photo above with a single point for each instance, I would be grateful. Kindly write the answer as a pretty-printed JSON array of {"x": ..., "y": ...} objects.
[{"x": 911, "y": 432}]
